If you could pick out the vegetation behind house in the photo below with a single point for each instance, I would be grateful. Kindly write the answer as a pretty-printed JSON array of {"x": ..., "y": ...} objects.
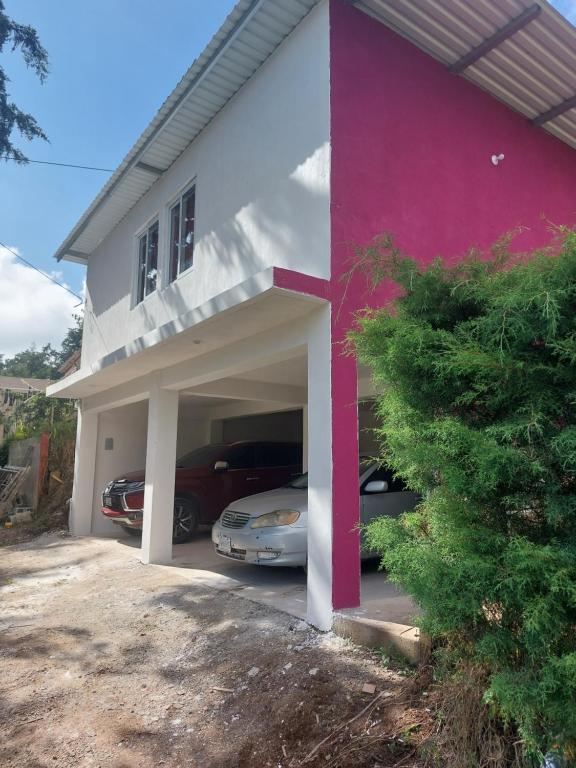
[{"x": 34, "y": 414}]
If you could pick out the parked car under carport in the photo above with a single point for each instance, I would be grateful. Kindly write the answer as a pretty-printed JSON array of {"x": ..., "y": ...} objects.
[
  {"x": 207, "y": 480},
  {"x": 271, "y": 528}
]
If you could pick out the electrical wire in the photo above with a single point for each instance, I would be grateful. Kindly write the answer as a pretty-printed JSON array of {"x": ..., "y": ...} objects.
[
  {"x": 44, "y": 274},
  {"x": 62, "y": 165}
]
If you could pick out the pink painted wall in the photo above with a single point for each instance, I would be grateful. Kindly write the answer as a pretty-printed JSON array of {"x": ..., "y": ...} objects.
[{"x": 411, "y": 148}]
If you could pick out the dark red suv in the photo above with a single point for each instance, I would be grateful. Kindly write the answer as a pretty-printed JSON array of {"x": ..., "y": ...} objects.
[{"x": 207, "y": 480}]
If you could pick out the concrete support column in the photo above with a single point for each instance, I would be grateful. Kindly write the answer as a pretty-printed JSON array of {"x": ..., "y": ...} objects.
[
  {"x": 333, "y": 494},
  {"x": 84, "y": 469},
  {"x": 304, "y": 438},
  {"x": 160, "y": 471},
  {"x": 319, "y": 600}
]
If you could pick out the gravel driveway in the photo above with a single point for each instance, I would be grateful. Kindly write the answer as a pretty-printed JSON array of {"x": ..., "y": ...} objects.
[{"x": 106, "y": 662}]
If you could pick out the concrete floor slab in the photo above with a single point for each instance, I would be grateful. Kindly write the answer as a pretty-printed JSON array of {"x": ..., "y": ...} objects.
[{"x": 284, "y": 588}]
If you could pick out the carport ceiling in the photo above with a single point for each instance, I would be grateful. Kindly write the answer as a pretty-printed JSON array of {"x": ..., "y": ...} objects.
[
  {"x": 294, "y": 371},
  {"x": 189, "y": 398}
]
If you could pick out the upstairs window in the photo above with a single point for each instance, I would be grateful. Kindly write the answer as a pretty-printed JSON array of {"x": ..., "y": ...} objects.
[
  {"x": 182, "y": 233},
  {"x": 147, "y": 262}
]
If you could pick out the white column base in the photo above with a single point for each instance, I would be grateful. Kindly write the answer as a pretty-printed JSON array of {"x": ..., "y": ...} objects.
[
  {"x": 160, "y": 471},
  {"x": 319, "y": 596},
  {"x": 80, "y": 522}
]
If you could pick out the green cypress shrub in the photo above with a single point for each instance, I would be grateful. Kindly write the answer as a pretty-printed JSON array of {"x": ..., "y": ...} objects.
[{"x": 476, "y": 368}]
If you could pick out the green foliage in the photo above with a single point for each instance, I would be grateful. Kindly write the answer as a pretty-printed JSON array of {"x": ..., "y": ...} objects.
[
  {"x": 12, "y": 118},
  {"x": 32, "y": 363},
  {"x": 4, "y": 450},
  {"x": 476, "y": 364},
  {"x": 71, "y": 342},
  {"x": 39, "y": 413},
  {"x": 32, "y": 415},
  {"x": 43, "y": 363}
]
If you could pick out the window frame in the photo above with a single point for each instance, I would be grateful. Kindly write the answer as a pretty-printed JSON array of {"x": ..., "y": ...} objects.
[
  {"x": 144, "y": 232},
  {"x": 177, "y": 200}
]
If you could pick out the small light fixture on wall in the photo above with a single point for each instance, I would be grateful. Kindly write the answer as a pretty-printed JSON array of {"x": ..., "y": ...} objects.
[{"x": 497, "y": 159}]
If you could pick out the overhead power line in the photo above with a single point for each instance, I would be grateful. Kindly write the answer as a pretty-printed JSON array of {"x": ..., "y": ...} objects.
[
  {"x": 44, "y": 274},
  {"x": 62, "y": 165}
]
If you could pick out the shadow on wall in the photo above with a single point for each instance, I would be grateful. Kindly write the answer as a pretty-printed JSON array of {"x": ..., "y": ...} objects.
[
  {"x": 278, "y": 229},
  {"x": 262, "y": 170}
]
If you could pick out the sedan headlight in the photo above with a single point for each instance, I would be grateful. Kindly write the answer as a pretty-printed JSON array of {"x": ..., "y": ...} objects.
[{"x": 278, "y": 517}]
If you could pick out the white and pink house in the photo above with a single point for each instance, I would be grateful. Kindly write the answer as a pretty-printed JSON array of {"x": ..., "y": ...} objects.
[{"x": 216, "y": 252}]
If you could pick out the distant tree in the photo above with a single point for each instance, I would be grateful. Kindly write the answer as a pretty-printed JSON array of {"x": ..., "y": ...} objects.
[
  {"x": 43, "y": 363},
  {"x": 72, "y": 341},
  {"x": 32, "y": 363},
  {"x": 24, "y": 37}
]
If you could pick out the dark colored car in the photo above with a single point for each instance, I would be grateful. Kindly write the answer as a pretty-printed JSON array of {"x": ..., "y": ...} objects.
[{"x": 207, "y": 480}]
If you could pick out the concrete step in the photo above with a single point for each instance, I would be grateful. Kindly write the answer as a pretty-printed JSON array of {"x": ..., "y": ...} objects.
[{"x": 373, "y": 633}]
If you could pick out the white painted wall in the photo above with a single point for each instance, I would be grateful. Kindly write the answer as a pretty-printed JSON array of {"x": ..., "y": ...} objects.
[
  {"x": 127, "y": 426},
  {"x": 193, "y": 428},
  {"x": 262, "y": 196},
  {"x": 280, "y": 425}
]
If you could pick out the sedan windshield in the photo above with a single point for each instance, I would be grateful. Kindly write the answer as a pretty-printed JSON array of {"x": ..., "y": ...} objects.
[{"x": 301, "y": 482}]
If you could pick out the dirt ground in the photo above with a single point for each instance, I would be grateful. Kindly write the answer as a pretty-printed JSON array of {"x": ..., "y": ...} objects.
[{"x": 106, "y": 662}]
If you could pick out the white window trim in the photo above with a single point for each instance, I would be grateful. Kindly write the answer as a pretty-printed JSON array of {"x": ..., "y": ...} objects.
[
  {"x": 143, "y": 230},
  {"x": 167, "y": 241}
]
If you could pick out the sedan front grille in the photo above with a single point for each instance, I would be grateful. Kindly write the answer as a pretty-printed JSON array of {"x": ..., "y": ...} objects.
[{"x": 232, "y": 519}]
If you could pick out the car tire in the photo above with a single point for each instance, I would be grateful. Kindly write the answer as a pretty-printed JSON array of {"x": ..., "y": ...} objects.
[
  {"x": 136, "y": 532},
  {"x": 186, "y": 520}
]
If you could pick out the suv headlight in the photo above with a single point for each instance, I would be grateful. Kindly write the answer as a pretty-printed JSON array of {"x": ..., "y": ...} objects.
[{"x": 278, "y": 517}]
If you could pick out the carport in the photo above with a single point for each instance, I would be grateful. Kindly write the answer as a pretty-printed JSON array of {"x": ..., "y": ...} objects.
[
  {"x": 231, "y": 369},
  {"x": 207, "y": 415}
]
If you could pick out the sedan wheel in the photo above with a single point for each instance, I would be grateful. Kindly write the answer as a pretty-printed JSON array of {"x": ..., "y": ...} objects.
[{"x": 185, "y": 523}]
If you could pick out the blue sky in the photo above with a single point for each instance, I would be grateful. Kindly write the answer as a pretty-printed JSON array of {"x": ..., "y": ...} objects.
[
  {"x": 566, "y": 7},
  {"x": 112, "y": 63}
]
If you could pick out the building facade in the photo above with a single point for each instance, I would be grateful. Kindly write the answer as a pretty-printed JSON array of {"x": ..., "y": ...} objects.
[{"x": 219, "y": 253}]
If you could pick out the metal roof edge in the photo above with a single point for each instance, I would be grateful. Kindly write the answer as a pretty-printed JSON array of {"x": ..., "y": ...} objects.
[{"x": 236, "y": 20}]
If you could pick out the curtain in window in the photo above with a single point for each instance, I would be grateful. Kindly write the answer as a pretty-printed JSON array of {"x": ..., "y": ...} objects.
[
  {"x": 174, "y": 241},
  {"x": 152, "y": 259},
  {"x": 188, "y": 205}
]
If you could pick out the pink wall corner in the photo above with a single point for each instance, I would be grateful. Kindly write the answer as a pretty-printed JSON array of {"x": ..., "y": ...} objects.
[{"x": 411, "y": 149}]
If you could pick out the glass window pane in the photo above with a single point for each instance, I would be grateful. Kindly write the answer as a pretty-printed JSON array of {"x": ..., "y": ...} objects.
[
  {"x": 188, "y": 205},
  {"x": 141, "y": 268},
  {"x": 152, "y": 259},
  {"x": 242, "y": 457},
  {"x": 174, "y": 241},
  {"x": 279, "y": 455}
]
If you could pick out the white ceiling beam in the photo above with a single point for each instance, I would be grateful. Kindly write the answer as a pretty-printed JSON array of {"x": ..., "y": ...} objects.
[{"x": 244, "y": 389}]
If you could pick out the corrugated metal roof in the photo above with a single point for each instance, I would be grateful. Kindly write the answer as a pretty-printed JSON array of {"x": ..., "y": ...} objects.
[
  {"x": 252, "y": 31},
  {"x": 533, "y": 71}
]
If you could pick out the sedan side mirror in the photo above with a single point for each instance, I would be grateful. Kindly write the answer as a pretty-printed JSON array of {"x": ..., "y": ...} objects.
[
  {"x": 376, "y": 486},
  {"x": 221, "y": 466}
]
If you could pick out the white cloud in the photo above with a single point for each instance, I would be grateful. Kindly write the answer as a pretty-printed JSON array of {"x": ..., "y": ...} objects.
[{"x": 32, "y": 309}]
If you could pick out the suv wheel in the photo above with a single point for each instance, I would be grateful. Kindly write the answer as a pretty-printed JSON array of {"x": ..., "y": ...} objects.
[{"x": 186, "y": 521}]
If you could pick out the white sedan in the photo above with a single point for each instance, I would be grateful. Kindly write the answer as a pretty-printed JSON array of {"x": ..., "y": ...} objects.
[{"x": 271, "y": 528}]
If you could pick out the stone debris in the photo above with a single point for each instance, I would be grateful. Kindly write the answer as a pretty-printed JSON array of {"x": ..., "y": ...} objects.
[{"x": 253, "y": 672}]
